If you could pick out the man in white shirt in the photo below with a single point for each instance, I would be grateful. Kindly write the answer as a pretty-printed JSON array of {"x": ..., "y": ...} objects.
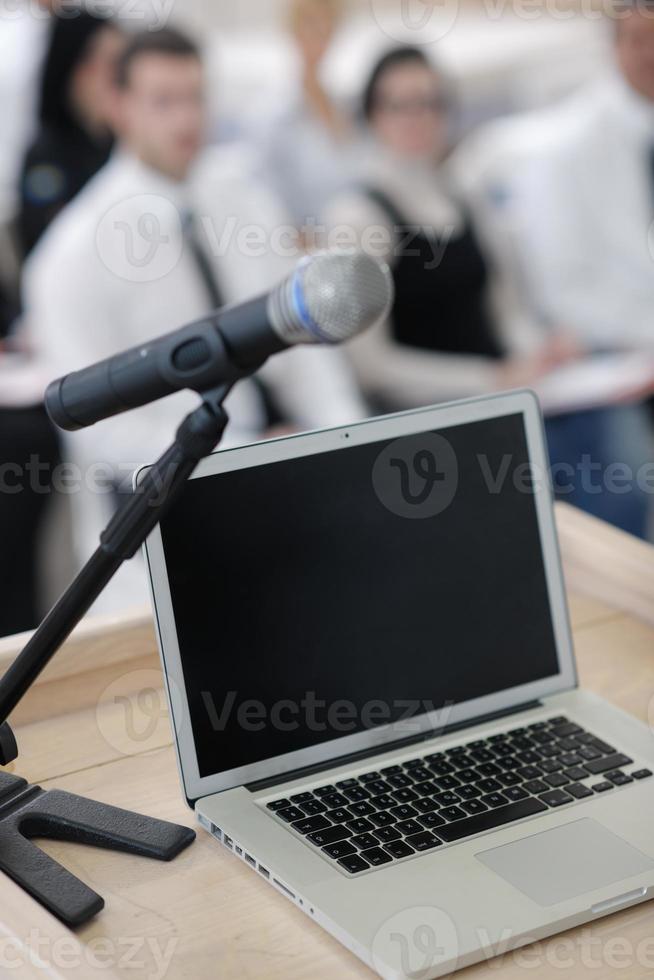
[
  {"x": 584, "y": 218},
  {"x": 164, "y": 233},
  {"x": 590, "y": 204}
]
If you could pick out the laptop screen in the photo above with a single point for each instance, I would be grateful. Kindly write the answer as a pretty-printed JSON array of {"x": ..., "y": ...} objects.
[{"x": 321, "y": 596}]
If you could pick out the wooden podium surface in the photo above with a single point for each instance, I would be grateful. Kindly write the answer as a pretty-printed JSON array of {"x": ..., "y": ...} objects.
[{"x": 97, "y": 725}]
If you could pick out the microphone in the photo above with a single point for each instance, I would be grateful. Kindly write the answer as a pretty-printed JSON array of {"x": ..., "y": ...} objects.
[{"x": 329, "y": 298}]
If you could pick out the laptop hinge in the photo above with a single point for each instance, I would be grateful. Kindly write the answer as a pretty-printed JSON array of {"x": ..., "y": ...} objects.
[{"x": 353, "y": 757}]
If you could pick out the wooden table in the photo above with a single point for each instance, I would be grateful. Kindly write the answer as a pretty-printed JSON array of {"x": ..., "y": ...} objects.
[{"x": 97, "y": 725}]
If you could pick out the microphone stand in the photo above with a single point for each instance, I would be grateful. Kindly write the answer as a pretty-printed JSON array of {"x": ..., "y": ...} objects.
[{"x": 28, "y": 811}]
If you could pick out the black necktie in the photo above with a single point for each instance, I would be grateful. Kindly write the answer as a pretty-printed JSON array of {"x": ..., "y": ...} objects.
[{"x": 206, "y": 272}]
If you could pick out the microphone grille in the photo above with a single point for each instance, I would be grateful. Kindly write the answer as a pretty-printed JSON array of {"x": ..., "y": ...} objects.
[{"x": 332, "y": 297}]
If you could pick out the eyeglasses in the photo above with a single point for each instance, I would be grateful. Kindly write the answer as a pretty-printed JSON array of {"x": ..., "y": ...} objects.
[{"x": 428, "y": 105}]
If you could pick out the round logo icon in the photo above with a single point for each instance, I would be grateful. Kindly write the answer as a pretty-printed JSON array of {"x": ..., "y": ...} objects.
[
  {"x": 417, "y": 21},
  {"x": 132, "y": 712},
  {"x": 140, "y": 239},
  {"x": 414, "y": 942},
  {"x": 417, "y": 476}
]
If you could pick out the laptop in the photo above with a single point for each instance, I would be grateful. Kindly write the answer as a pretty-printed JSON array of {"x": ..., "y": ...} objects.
[{"x": 372, "y": 682}]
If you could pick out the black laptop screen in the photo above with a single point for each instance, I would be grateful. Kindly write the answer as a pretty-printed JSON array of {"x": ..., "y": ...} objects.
[{"x": 321, "y": 596}]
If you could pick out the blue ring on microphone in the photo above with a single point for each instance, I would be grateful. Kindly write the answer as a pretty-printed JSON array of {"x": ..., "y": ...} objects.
[{"x": 302, "y": 309}]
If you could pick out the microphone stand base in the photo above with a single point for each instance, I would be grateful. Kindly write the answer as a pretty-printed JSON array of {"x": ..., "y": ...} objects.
[{"x": 28, "y": 811}]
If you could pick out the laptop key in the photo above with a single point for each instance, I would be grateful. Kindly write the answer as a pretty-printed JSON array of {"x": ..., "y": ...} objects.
[
  {"x": 556, "y": 798},
  {"x": 354, "y": 864},
  {"x": 619, "y": 778},
  {"x": 364, "y": 841},
  {"x": 404, "y": 795},
  {"x": 587, "y": 752},
  {"x": 309, "y": 824},
  {"x": 426, "y": 805},
  {"x": 491, "y": 819},
  {"x": 447, "y": 799},
  {"x": 334, "y": 799},
  {"x": 290, "y": 813},
  {"x": 401, "y": 781},
  {"x": 390, "y": 771},
  {"x": 324, "y": 791},
  {"x": 602, "y": 747},
  {"x": 425, "y": 789},
  {"x": 420, "y": 774},
  {"x": 642, "y": 774},
  {"x": 489, "y": 785},
  {"x": 447, "y": 782},
  {"x": 608, "y": 764},
  {"x": 378, "y": 787},
  {"x": 376, "y": 857},
  {"x": 551, "y": 765},
  {"x": 413, "y": 764},
  {"x": 571, "y": 759},
  {"x": 451, "y": 813},
  {"x": 535, "y": 786},
  {"x": 370, "y": 777},
  {"x": 576, "y": 773},
  {"x": 562, "y": 731},
  {"x": 301, "y": 798},
  {"x": 347, "y": 783},
  {"x": 556, "y": 780},
  {"x": 510, "y": 779},
  {"x": 474, "y": 806},
  {"x": 331, "y": 835},
  {"x": 515, "y": 793},
  {"x": 403, "y": 812},
  {"x": 431, "y": 820},
  {"x": 423, "y": 841},
  {"x": 399, "y": 849},
  {"x": 339, "y": 815},
  {"x": 313, "y": 808},
  {"x": 530, "y": 772},
  {"x": 387, "y": 834},
  {"x": 489, "y": 769},
  {"x": 408, "y": 827},
  {"x": 278, "y": 805},
  {"x": 360, "y": 826},
  {"x": 356, "y": 794},
  {"x": 383, "y": 819},
  {"x": 340, "y": 849},
  {"x": 602, "y": 787},
  {"x": 494, "y": 800},
  {"x": 384, "y": 802},
  {"x": 469, "y": 792},
  {"x": 361, "y": 809},
  {"x": 578, "y": 791},
  {"x": 467, "y": 775}
]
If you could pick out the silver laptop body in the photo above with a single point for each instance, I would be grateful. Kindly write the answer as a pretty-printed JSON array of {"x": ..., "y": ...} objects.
[{"x": 304, "y": 589}]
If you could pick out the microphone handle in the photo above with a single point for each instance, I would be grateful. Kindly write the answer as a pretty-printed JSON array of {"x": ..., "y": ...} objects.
[{"x": 219, "y": 349}]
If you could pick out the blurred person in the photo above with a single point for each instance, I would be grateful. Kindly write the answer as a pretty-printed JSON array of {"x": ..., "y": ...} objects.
[
  {"x": 156, "y": 240},
  {"x": 456, "y": 330},
  {"x": 586, "y": 236},
  {"x": 25, "y": 28},
  {"x": 309, "y": 146},
  {"x": 74, "y": 139}
]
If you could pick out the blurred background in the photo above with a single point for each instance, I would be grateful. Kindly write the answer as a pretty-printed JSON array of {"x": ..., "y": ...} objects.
[{"x": 514, "y": 140}]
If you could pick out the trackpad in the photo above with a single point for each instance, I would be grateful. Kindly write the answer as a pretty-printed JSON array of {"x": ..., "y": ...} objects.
[{"x": 568, "y": 861}]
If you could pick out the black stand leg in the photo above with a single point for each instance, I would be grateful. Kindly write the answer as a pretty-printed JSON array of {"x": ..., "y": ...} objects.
[{"x": 27, "y": 811}]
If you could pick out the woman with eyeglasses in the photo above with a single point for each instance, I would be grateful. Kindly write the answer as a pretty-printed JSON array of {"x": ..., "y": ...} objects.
[{"x": 456, "y": 330}]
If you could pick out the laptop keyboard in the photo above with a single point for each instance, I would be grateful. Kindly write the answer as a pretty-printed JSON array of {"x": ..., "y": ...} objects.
[{"x": 403, "y": 810}]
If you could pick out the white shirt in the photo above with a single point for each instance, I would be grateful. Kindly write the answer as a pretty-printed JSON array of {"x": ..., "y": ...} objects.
[
  {"x": 113, "y": 271},
  {"x": 24, "y": 32},
  {"x": 588, "y": 209},
  {"x": 425, "y": 195}
]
